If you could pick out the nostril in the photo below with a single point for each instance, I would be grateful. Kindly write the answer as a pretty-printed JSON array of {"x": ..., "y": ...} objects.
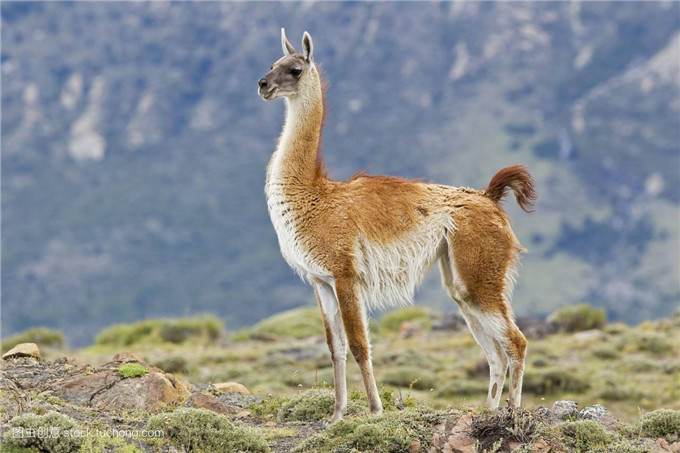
[{"x": 263, "y": 83}]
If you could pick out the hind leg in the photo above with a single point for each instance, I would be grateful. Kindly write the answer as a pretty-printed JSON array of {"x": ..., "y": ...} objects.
[
  {"x": 516, "y": 353},
  {"x": 487, "y": 330}
]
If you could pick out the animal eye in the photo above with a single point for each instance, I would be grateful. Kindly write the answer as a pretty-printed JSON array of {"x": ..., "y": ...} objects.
[
  {"x": 296, "y": 72},
  {"x": 272, "y": 67}
]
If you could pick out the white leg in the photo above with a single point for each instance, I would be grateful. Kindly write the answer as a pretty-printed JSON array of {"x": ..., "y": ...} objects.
[
  {"x": 488, "y": 329},
  {"x": 516, "y": 356},
  {"x": 337, "y": 344}
]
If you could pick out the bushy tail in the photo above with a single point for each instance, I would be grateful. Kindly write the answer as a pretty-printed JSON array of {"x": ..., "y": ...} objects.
[{"x": 517, "y": 178}]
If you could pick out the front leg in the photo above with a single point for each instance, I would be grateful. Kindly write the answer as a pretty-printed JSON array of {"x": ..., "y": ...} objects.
[
  {"x": 356, "y": 328},
  {"x": 337, "y": 344}
]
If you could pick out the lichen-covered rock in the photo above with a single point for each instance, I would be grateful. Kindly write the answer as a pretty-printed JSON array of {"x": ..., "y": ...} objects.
[
  {"x": 594, "y": 412},
  {"x": 23, "y": 350},
  {"x": 564, "y": 409}
]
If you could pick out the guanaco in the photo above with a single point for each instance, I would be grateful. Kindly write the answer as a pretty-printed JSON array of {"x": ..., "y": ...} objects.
[{"x": 366, "y": 243}]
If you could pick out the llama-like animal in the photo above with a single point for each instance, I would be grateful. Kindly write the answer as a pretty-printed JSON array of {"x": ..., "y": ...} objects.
[{"x": 367, "y": 243}]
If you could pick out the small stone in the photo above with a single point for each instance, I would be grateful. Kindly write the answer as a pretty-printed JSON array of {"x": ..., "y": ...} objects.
[
  {"x": 463, "y": 445},
  {"x": 23, "y": 350},
  {"x": 415, "y": 447},
  {"x": 127, "y": 356},
  {"x": 541, "y": 446},
  {"x": 661, "y": 442},
  {"x": 564, "y": 409},
  {"x": 232, "y": 387},
  {"x": 674, "y": 447},
  {"x": 592, "y": 334}
]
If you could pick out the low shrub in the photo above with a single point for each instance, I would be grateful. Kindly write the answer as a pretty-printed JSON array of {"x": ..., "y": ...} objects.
[
  {"x": 640, "y": 365},
  {"x": 586, "y": 435},
  {"x": 131, "y": 370},
  {"x": 392, "y": 432},
  {"x": 550, "y": 381},
  {"x": 391, "y": 321},
  {"x": 299, "y": 323},
  {"x": 54, "y": 424},
  {"x": 201, "y": 329},
  {"x": 606, "y": 352},
  {"x": 614, "y": 392},
  {"x": 42, "y": 336},
  {"x": 578, "y": 317},
  {"x": 462, "y": 387},
  {"x": 636, "y": 341},
  {"x": 405, "y": 376},
  {"x": 202, "y": 430},
  {"x": 315, "y": 404},
  {"x": 660, "y": 423},
  {"x": 495, "y": 430},
  {"x": 174, "y": 364}
]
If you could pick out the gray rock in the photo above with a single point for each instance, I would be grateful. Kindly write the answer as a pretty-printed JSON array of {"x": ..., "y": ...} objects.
[
  {"x": 594, "y": 412},
  {"x": 564, "y": 409}
]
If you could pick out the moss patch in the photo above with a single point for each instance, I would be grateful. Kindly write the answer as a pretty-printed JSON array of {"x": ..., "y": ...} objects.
[
  {"x": 202, "y": 430},
  {"x": 131, "y": 370},
  {"x": 393, "y": 432}
]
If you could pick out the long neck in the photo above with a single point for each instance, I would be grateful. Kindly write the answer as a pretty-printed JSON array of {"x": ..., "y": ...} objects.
[{"x": 295, "y": 158}]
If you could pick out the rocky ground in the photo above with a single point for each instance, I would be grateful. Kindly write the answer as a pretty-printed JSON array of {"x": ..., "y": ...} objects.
[{"x": 129, "y": 395}]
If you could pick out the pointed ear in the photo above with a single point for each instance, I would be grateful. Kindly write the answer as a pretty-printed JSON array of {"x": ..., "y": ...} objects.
[
  {"x": 307, "y": 47},
  {"x": 285, "y": 44}
]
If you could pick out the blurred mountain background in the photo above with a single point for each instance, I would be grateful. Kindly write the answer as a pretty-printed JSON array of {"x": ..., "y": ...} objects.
[{"x": 134, "y": 147}]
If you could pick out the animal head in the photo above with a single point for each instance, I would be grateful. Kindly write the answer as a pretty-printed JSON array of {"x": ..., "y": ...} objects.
[{"x": 290, "y": 74}]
